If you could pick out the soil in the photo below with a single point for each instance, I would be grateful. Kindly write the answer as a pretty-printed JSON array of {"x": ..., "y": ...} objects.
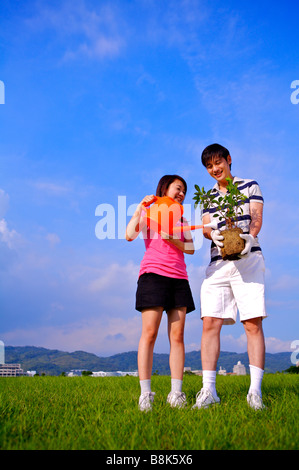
[{"x": 233, "y": 244}]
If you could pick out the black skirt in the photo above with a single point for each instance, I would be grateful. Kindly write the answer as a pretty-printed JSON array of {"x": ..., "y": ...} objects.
[{"x": 154, "y": 290}]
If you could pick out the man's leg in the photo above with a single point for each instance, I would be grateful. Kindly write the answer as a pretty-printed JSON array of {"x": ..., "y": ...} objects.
[
  {"x": 256, "y": 354},
  {"x": 210, "y": 349},
  {"x": 210, "y": 342},
  {"x": 217, "y": 304},
  {"x": 255, "y": 342}
]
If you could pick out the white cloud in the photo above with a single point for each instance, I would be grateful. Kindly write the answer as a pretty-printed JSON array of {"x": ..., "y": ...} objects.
[
  {"x": 102, "y": 336},
  {"x": 114, "y": 277},
  {"x": 4, "y": 202},
  {"x": 230, "y": 343},
  {"x": 99, "y": 47},
  {"x": 239, "y": 345},
  {"x": 95, "y": 33},
  {"x": 7, "y": 236},
  {"x": 53, "y": 239},
  {"x": 275, "y": 345},
  {"x": 285, "y": 282},
  {"x": 51, "y": 188},
  {"x": 192, "y": 347}
]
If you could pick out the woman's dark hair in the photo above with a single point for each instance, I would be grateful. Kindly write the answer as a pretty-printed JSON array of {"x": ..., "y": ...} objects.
[
  {"x": 166, "y": 181},
  {"x": 212, "y": 151}
]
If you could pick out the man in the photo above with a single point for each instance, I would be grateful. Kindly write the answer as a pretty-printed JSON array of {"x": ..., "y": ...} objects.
[{"x": 232, "y": 285}]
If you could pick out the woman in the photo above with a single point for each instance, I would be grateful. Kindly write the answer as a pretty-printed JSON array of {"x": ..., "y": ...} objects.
[{"x": 162, "y": 285}]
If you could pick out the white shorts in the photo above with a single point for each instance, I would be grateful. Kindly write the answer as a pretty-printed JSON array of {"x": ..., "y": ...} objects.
[{"x": 230, "y": 286}]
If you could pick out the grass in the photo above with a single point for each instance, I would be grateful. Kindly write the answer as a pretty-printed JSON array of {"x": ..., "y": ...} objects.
[{"x": 82, "y": 413}]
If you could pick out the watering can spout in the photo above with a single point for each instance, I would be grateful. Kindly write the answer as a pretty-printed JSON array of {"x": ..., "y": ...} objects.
[{"x": 185, "y": 228}]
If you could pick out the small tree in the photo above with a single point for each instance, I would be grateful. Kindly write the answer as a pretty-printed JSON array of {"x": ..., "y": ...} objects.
[{"x": 229, "y": 206}]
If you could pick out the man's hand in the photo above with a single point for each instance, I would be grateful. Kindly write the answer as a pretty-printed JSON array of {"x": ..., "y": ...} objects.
[
  {"x": 249, "y": 241},
  {"x": 216, "y": 237}
]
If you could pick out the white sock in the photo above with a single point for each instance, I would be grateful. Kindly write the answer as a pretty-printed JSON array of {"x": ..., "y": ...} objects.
[
  {"x": 145, "y": 385},
  {"x": 256, "y": 377},
  {"x": 176, "y": 385},
  {"x": 209, "y": 381}
]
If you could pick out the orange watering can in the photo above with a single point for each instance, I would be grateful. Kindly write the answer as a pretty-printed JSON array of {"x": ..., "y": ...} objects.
[{"x": 165, "y": 213}]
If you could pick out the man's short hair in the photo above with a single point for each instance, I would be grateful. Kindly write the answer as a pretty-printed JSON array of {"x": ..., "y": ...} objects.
[{"x": 212, "y": 151}]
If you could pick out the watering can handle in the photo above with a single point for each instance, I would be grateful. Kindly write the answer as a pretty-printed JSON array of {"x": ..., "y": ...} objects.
[{"x": 146, "y": 204}]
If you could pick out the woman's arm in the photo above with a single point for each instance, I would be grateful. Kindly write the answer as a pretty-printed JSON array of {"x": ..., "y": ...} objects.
[
  {"x": 135, "y": 226},
  {"x": 185, "y": 246}
]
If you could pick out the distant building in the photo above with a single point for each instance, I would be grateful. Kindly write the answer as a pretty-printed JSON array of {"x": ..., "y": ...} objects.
[
  {"x": 8, "y": 370},
  {"x": 75, "y": 373},
  {"x": 119, "y": 373},
  {"x": 2, "y": 353},
  {"x": 196, "y": 372},
  {"x": 99, "y": 374},
  {"x": 222, "y": 371},
  {"x": 11, "y": 370},
  {"x": 239, "y": 369},
  {"x": 106, "y": 374}
]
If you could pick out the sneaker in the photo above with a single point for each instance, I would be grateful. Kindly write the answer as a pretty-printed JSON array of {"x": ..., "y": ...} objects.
[
  {"x": 145, "y": 401},
  {"x": 255, "y": 401},
  {"x": 177, "y": 399},
  {"x": 204, "y": 399}
]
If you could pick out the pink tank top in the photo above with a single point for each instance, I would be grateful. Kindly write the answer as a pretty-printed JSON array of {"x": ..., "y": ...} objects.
[{"x": 162, "y": 257}]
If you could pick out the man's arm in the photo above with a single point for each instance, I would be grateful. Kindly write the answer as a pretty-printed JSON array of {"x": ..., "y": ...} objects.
[
  {"x": 206, "y": 230},
  {"x": 256, "y": 212}
]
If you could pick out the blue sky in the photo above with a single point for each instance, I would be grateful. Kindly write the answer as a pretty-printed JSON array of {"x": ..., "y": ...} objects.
[{"x": 102, "y": 98}]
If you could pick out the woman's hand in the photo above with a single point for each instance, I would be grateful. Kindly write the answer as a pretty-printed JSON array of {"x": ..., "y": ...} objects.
[
  {"x": 185, "y": 246},
  {"x": 147, "y": 200}
]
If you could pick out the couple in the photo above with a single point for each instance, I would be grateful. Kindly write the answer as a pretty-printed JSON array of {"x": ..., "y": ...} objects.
[{"x": 229, "y": 286}]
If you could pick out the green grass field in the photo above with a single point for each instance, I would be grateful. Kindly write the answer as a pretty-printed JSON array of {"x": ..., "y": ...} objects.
[{"x": 64, "y": 413}]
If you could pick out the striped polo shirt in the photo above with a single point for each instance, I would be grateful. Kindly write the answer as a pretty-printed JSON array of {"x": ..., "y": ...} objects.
[{"x": 253, "y": 193}]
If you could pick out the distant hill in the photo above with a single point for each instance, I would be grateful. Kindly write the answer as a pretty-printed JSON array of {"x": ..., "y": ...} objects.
[{"x": 54, "y": 362}]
